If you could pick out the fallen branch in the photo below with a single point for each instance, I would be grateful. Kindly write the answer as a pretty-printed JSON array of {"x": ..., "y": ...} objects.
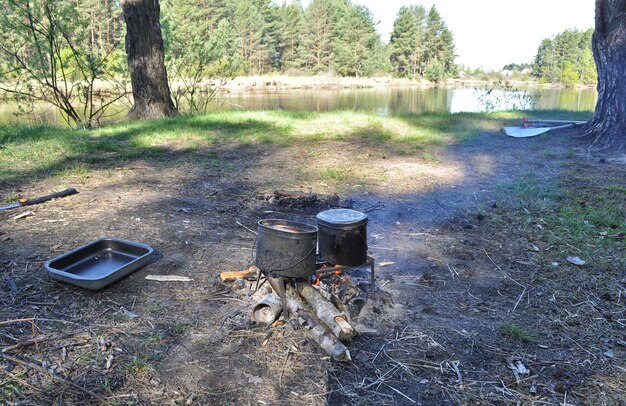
[
  {"x": 318, "y": 331},
  {"x": 57, "y": 378},
  {"x": 336, "y": 320},
  {"x": 398, "y": 392},
  {"x": 23, "y": 215},
  {"x": 38, "y": 340},
  {"x": 168, "y": 278},
  {"x": 21, "y": 381}
]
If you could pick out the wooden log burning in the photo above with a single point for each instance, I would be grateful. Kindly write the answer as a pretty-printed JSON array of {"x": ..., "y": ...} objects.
[
  {"x": 336, "y": 320},
  {"x": 318, "y": 331}
]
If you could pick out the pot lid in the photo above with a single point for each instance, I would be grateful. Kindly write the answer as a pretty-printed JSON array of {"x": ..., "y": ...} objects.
[{"x": 342, "y": 217}]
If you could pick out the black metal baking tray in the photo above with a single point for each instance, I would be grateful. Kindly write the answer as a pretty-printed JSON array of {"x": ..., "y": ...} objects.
[{"x": 99, "y": 263}]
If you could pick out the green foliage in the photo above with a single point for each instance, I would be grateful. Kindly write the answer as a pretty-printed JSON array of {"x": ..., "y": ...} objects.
[
  {"x": 201, "y": 52},
  {"x": 569, "y": 76},
  {"x": 516, "y": 67},
  {"x": 210, "y": 41},
  {"x": 355, "y": 42},
  {"x": 289, "y": 50},
  {"x": 318, "y": 36},
  {"x": 435, "y": 71},
  {"x": 60, "y": 53},
  {"x": 405, "y": 42},
  {"x": 566, "y": 58},
  {"x": 422, "y": 45}
]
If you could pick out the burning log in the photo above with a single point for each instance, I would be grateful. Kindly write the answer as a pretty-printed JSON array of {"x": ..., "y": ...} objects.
[
  {"x": 336, "y": 320},
  {"x": 267, "y": 310},
  {"x": 316, "y": 328}
]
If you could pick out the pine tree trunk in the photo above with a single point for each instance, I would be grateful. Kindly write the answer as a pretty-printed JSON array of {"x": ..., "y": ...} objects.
[
  {"x": 146, "y": 60},
  {"x": 608, "y": 124}
]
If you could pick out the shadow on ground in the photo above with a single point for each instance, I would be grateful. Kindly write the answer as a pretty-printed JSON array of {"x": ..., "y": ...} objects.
[{"x": 441, "y": 342}]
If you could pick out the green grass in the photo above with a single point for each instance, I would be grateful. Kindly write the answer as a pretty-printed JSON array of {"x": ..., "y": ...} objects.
[
  {"x": 584, "y": 209},
  {"x": 155, "y": 309},
  {"x": 153, "y": 339},
  {"x": 180, "y": 328},
  {"x": 592, "y": 214},
  {"x": 118, "y": 317},
  {"x": 334, "y": 173},
  {"x": 28, "y": 153},
  {"x": 9, "y": 387},
  {"x": 515, "y": 332},
  {"x": 138, "y": 365}
]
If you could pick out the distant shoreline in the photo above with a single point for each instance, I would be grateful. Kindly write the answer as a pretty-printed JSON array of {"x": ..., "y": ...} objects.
[
  {"x": 271, "y": 83},
  {"x": 279, "y": 83}
]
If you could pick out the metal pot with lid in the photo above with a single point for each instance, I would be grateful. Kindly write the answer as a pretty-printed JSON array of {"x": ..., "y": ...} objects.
[{"x": 342, "y": 236}]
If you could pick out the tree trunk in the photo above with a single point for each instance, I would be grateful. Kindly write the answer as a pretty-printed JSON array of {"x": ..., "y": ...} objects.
[
  {"x": 608, "y": 124},
  {"x": 146, "y": 60}
]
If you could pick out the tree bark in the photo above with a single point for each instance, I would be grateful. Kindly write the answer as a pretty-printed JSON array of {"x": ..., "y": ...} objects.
[
  {"x": 146, "y": 60},
  {"x": 608, "y": 125}
]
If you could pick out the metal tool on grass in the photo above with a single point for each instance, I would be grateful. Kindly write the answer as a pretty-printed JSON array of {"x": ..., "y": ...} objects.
[{"x": 37, "y": 200}]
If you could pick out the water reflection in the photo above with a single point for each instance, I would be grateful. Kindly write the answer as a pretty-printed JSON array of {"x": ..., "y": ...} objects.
[
  {"x": 386, "y": 101},
  {"x": 413, "y": 100}
]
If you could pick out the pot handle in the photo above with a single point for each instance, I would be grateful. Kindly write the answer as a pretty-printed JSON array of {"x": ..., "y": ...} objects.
[{"x": 290, "y": 266}]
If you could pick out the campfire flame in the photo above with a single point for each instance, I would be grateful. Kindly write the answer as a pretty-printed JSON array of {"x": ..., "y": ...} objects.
[
  {"x": 335, "y": 279},
  {"x": 336, "y": 284},
  {"x": 318, "y": 280}
]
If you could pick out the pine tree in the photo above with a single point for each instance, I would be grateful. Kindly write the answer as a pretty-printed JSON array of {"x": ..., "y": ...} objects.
[
  {"x": 248, "y": 23},
  {"x": 291, "y": 28},
  {"x": 403, "y": 43},
  {"x": 318, "y": 36},
  {"x": 354, "y": 42},
  {"x": 418, "y": 40},
  {"x": 439, "y": 43},
  {"x": 417, "y": 58}
]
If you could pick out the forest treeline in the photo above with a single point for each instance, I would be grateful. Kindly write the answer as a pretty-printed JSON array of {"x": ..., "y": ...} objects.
[
  {"x": 226, "y": 38},
  {"x": 242, "y": 37},
  {"x": 566, "y": 58}
]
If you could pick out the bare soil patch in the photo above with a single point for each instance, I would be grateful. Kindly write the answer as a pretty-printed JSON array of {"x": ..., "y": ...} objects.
[{"x": 480, "y": 305}]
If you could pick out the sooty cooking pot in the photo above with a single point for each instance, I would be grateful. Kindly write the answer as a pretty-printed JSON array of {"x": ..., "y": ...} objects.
[
  {"x": 286, "y": 248},
  {"x": 342, "y": 236}
]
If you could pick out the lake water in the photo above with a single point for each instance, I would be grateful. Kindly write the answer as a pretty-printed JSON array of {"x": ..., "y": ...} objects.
[{"x": 377, "y": 101}]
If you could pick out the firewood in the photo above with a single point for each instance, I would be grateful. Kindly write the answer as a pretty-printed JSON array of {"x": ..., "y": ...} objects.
[
  {"x": 293, "y": 194},
  {"x": 249, "y": 273},
  {"x": 318, "y": 331},
  {"x": 267, "y": 310},
  {"x": 336, "y": 320}
]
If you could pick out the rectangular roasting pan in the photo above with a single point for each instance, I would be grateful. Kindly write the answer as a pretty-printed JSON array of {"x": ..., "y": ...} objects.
[{"x": 99, "y": 263}]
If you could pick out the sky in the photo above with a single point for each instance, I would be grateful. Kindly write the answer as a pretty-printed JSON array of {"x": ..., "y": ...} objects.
[{"x": 493, "y": 33}]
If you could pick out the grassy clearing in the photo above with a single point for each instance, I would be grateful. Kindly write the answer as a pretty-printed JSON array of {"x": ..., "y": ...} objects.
[
  {"x": 29, "y": 153},
  {"x": 584, "y": 210}
]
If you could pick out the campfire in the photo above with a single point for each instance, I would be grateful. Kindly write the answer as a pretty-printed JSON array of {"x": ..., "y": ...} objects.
[
  {"x": 316, "y": 276},
  {"x": 325, "y": 305}
]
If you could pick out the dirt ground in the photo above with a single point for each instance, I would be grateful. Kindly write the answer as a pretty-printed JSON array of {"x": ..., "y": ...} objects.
[{"x": 478, "y": 308}]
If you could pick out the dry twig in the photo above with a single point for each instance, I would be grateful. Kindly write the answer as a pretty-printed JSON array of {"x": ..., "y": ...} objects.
[{"x": 57, "y": 378}]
